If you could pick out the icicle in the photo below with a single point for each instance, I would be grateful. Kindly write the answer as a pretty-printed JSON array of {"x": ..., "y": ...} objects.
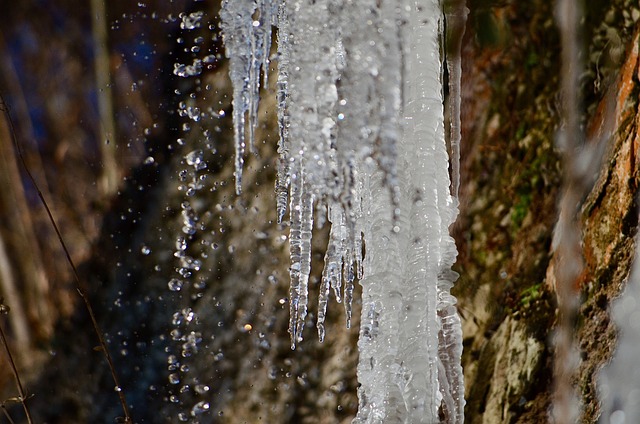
[
  {"x": 332, "y": 273},
  {"x": 361, "y": 128},
  {"x": 456, "y": 18},
  {"x": 349, "y": 279},
  {"x": 300, "y": 244},
  {"x": 247, "y": 44}
]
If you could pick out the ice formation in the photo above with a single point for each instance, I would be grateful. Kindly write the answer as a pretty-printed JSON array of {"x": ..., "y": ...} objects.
[
  {"x": 362, "y": 144},
  {"x": 619, "y": 383}
]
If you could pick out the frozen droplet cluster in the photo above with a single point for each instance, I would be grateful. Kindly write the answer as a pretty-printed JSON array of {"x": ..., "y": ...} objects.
[
  {"x": 191, "y": 20},
  {"x": 188, "y": 70}
]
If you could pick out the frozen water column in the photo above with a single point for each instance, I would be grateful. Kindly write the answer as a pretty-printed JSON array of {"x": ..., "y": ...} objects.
[{"x": 410, "y": 337}]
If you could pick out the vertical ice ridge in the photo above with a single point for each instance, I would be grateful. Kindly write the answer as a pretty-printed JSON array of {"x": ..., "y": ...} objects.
[
  {"x": 358, "y": 124},
  {"x": 358, "y": 61},
  {"x": 326, "y": 39},
  {"x": 313, "y": 92},
  {"x": 419, "y": 339},
  {"x": 283, "y": 176},
  {"x": 380, "y": 367},
  {"x": 427, "y": 100},
  {"x": 389, "y": 85}
]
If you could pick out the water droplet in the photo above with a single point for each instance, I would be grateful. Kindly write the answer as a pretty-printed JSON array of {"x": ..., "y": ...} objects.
[
  {"x": 175, "y": 284},
  {"x": 191, "y": 21},
  {"x": 200, "y": 408},
  {"x": 201, "y": 389},
  {"x": 145, "y": 250},
  {"x": 184, "y": 272},
  {"x": 195, "y": 159},
  {"x": 174, "y": 378},
  {"x": 188, "y": 314},
  {"x": 273, "y": 373}
]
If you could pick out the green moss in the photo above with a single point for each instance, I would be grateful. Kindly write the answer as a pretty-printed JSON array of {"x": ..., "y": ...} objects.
[
  {"x": 520, "y": 210},
  {"x": 529, "y": 295},
  {"x": 532, "y": 59},
  {"x": 521, "y": 131}
]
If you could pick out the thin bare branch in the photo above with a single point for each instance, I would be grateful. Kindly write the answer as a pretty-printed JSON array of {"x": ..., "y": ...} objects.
[
  {"x": 6, "y": 414},
  {"x": 16, "y": 377},
  {"x": 79, "y": 286}
]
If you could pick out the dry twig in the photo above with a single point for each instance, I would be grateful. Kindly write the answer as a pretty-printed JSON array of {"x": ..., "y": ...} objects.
[{"x": 79, "y": 287}]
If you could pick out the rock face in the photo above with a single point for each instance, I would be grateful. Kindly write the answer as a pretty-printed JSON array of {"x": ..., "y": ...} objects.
[
  {"x": 509, "y": 363},
  {"x": 507, "y": 260},
  {"x": 244, "y": 369}
]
